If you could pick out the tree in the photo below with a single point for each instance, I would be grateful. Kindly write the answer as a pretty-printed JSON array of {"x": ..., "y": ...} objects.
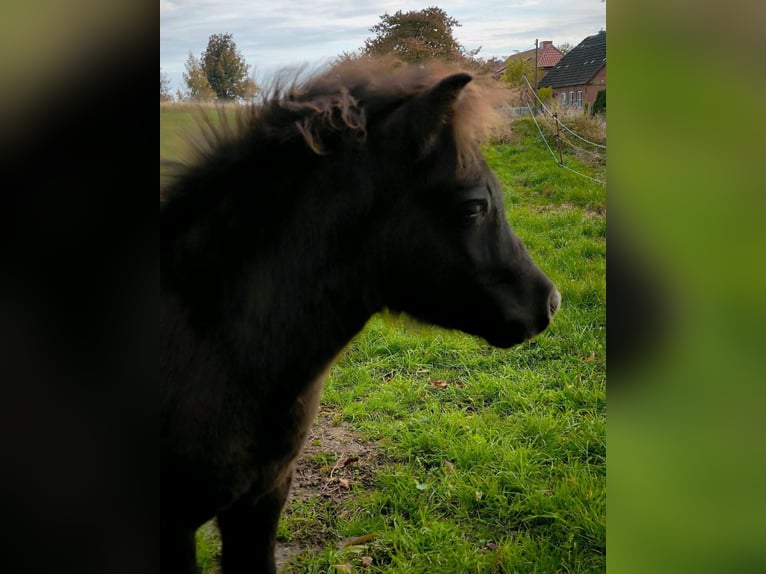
[
  {"x": 250, "y": 90},
  {"x": 491, "y": 64},
  {"x": 198, "y": 87},
  {"x": 165, "y": 95},
  {"x": 225, "y": 68},
  {"x": 565, "y": 48},
  {"x": 416, "y": 36},
  {"x": 515, "y": 70}
]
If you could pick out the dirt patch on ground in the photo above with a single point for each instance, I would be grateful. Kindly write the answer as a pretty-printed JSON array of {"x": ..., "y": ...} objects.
[
  {"x": 334, "y": 463},
  {"x": 590, "y": 211}
]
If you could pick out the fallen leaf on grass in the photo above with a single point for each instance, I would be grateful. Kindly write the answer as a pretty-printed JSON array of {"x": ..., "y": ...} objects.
[
  {"x": 439, "y": 383},
  {"x": 357, "y": 540},
  {"x": 366, "y": 561},
  {"x": 342, "y": 568},
  {"x": 344, "y": 483}
]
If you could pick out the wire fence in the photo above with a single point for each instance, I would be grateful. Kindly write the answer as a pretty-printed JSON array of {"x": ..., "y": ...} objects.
[
  {"x": 582, "y": 150},
  {"x": 553, "y": 155},
  {"x": 555, "y": 117},
  {"x": 560, "y": 125}
]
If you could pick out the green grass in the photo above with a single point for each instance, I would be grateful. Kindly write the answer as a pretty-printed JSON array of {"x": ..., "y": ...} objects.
[
  {"x": 176, "y": 124},
  {"x": 503, "y": 469}
]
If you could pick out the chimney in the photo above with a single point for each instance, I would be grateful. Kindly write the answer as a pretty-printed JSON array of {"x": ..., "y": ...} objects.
[{"x": 546, "y": 43}]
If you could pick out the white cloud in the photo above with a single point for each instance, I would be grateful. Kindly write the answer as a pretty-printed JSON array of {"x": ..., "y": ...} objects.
[{"x": 271, "y": 35}]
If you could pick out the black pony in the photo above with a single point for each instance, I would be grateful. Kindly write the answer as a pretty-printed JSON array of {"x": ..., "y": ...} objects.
[{"x": 359, "y": 189}]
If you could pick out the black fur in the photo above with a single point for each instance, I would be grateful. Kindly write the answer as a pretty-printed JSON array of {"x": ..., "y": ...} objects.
[{"x": 324, "y": 205}]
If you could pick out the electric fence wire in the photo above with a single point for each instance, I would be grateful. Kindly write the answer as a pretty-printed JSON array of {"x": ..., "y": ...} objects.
[
  {"x": 553, "y": 155},
  {"x": 582, "y": 150},
  {"x": 583, "y": 175},
  {"x": 563, "y": 125},
  {"x": 534, "y": 119}
]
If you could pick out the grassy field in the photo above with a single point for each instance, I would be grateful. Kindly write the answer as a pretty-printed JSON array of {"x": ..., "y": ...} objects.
[{"x": 489, "y": 460}]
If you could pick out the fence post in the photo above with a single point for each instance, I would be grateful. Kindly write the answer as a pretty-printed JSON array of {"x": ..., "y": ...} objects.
[{"x": 558, "y": 137}]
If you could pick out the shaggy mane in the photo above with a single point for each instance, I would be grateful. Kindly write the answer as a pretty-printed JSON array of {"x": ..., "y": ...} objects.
[{"x": 342, "y": 101}]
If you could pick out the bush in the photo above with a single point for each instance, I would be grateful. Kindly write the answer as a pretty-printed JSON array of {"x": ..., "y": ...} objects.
[
  {"x": 600, "y": 104},
  {"x": 545, "y": 94}
]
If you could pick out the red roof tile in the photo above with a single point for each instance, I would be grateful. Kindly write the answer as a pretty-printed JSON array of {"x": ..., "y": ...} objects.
[{"x": 549, "y": 56}]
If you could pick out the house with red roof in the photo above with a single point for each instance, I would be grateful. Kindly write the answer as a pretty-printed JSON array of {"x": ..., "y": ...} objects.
[
  {"x": 548, "y": 56},
  {"x": 580, "y": 75}
]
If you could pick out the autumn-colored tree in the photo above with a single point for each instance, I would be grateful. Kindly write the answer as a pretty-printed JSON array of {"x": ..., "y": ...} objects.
[
  {"x": 416, "y": 36},
  {"x": 197, "y": 85},
  {"x": 250, "y": 90},
  {"x": 225, "y": 68},
  {"x": 490, "y": 65}
]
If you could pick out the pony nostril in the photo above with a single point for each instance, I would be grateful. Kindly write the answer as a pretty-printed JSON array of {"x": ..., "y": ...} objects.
[{"x": 553, "y": 302}]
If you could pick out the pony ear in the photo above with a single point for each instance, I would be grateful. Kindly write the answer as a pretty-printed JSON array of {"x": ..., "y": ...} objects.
[
  {"x": 442, "y": 96},
  {"x": 436, "y": 107}
]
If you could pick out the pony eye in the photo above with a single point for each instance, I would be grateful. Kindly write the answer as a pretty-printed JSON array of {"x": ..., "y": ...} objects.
[{"x": 473, "y": 209}]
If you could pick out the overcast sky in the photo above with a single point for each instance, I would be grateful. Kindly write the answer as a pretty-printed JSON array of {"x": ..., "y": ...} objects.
[{"x": 271, "y": 35}]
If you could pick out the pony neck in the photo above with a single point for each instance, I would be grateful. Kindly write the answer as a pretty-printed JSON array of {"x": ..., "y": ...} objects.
[{"x": 282, "y": 298}]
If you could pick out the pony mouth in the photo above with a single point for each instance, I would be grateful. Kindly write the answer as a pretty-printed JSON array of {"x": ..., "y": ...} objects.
[
  {"x": 554, "y": 303},
  {"x": 514, "y": 333},
  {"x": 508, "y": 336},
  {"x": 506, "y": 341}
]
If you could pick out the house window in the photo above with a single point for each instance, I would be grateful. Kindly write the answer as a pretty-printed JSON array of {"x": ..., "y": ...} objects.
[
  {"x": 579, "y": 98},
  {"x": 571, "y": 98},
  {"x": 563, "y": 98}
]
